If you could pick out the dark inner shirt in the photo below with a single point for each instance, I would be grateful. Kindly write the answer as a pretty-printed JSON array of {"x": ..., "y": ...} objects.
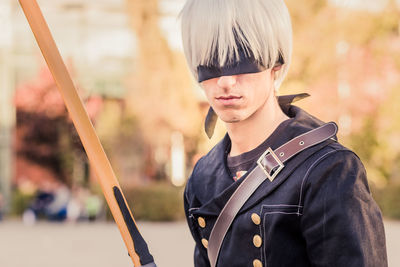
[{"x": 240, "y": 164}]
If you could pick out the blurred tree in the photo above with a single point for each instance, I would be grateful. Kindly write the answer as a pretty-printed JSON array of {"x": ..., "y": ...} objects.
[
  {"x": 348, "y": 60},
  {"x": 382, "y": 154},
  {"x": 161, "y": 96},
  {"x": 343, "y": 57},
  {"x": 45, "y": 147}
]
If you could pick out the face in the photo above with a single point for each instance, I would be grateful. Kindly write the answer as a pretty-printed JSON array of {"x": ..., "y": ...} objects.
[{"x": 236, "y": 98}]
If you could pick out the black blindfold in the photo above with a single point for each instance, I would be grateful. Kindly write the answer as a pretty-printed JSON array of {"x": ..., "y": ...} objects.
[{"x": 243, "y": 64}]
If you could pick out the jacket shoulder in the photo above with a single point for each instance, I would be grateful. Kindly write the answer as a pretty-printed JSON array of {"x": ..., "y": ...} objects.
[
  {"x": 203, "y": 181},
  {"x": 213, "y": 160},
  {"x": 335, "y": 164},
  {"x": 336, "y": 153}
]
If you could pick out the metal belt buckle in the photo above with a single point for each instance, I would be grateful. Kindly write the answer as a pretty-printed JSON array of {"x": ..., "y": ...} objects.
[{"x": 280, "y": 164}]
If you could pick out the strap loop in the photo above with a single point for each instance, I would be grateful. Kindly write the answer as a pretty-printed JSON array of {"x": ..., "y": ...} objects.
[{"x": 266, "y": 165}]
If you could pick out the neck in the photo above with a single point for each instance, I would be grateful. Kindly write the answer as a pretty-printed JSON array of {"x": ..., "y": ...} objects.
[{"x": 251, "y": 132}]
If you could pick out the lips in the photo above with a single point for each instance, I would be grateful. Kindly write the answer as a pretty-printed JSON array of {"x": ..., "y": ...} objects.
[{"x": 228, "y": 99}]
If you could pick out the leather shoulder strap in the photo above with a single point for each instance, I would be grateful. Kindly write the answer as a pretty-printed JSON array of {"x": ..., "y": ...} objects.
[{"x": 268, "y": 166}]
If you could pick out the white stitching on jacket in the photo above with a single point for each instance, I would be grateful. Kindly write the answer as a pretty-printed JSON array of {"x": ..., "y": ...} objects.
[
  {"x": 308, "y": 173},
  {"x": 264, "y": 250},
  {"x": 280, "y": 205}
]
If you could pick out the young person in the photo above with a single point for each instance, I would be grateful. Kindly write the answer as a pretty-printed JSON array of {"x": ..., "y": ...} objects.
[{"x": 278, "y": 190}]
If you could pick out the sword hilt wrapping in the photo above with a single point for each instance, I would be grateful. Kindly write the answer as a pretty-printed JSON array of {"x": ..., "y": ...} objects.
[{"x": 141, "y": 247}]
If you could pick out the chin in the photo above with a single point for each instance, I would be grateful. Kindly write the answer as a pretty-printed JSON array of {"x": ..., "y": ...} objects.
[{"x": 230, "y": 119}]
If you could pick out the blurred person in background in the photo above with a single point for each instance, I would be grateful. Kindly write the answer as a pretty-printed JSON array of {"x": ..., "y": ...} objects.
[
  {"x": 50, "y": 202},
  {"x": 83, "y": 205},
  {"x": 1, "y": 206},
  {"x": 93, "y": 207},
  {"x": 56, "y": 210},
  {"x": 316, "y": 208},
  {"x": 75, "y": 205}
]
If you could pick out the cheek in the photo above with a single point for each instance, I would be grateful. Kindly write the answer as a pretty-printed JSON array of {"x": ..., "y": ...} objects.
[
  {"x": 208, "y": 88},
  {"x": 257, "y": 95},
  {"x": 208, "y": 93}
]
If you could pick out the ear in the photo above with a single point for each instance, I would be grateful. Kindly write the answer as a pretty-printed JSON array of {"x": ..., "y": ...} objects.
[
  {"x": 277, "y": 67},
  {"x": 274, "y": 69}
]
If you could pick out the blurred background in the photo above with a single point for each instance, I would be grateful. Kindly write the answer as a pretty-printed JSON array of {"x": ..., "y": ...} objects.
[{"x": 126, "y": 59}]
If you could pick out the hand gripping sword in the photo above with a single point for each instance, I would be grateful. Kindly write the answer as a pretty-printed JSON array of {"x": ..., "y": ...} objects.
[{"x": 136, "y": 245}]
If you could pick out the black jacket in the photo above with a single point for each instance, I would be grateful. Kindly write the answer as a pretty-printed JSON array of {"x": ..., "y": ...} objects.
[{"x": 317, "y": 212}]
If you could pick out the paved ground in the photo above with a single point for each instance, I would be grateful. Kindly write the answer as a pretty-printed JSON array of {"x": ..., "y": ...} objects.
[{"x": 100, "y": 245}]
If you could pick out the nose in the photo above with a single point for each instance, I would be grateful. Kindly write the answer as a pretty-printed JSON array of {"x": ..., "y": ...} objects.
[{"x": 226, "y": 81}]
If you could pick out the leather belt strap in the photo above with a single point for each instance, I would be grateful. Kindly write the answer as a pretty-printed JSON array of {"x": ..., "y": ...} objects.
[{"x": 268, "y": 166}]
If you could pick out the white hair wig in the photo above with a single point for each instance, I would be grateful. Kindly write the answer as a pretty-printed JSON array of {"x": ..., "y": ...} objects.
[{"x": 213, "y": 28}]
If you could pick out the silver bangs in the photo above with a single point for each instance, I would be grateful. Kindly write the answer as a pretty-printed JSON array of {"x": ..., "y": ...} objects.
[{"x": 214, "y": 28}]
